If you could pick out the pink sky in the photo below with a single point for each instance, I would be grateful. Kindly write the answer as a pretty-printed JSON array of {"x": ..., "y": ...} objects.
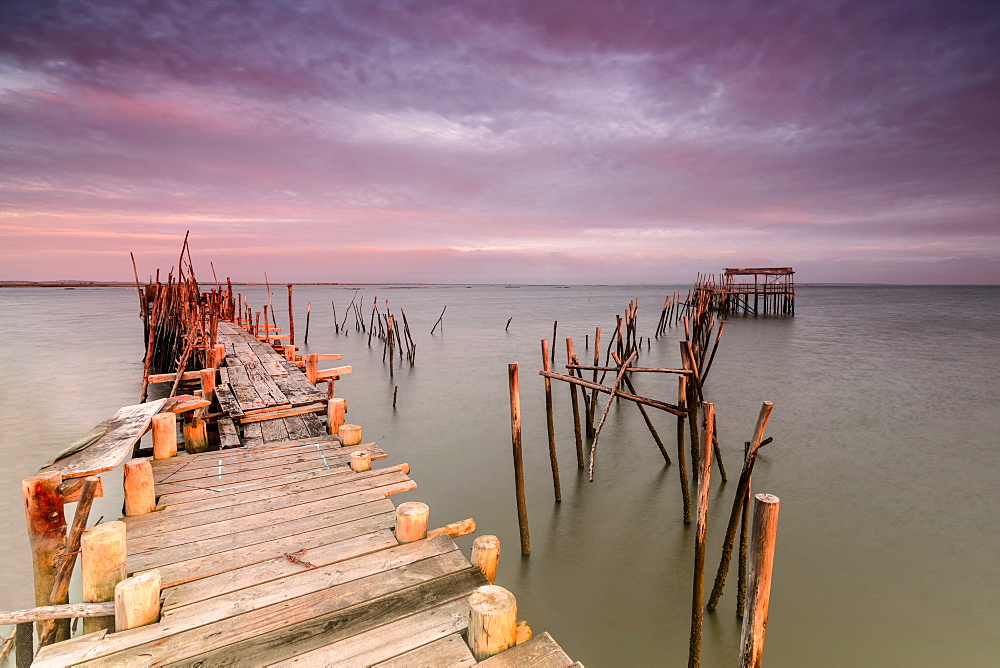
[{"x": 529, "y": 142}]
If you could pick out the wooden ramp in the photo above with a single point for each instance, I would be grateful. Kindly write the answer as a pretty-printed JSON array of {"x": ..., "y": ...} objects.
[{"x": 281, "y": 554}]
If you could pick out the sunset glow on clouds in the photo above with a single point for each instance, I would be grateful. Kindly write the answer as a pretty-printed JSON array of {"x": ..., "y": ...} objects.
[{"x": 469, "y": 141}]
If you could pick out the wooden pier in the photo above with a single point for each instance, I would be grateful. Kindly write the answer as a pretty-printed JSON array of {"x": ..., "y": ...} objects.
[
  {"x": 771, "y": 292},
  {"x": 273, "y": 545}
]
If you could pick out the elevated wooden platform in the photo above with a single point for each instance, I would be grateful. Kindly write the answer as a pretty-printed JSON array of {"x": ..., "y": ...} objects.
[{"x": 277, "y": 553}]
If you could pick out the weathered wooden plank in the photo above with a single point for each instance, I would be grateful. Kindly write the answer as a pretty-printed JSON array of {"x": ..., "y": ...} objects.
[
  {"x": 398, "y": 636},
  {"x": 154, "y": 559},
  {"x": 273, "y": 431},
  {"x": 334, "y": 479},
  {"x": 450, "y": 651},
  {"x": 210, "y": 467},
  {"x": 342, "y": 591},
  {"x": 253, "y": 436},
  {"x": 539, "y": 652},
  {"x": 305, "y": 425},
  {"x": 276, "y": 567},
  {"x": 229, "y": 435},
  {"x": 244, "y": 390},
  {"x": 202, "y": 566},
  {"x": 228, "y": 402},
  {"x": 341, "y": 459},
  {"x": 164, "y": 522},
  {"x": 351, "y": 629},
  {"x": 225, "y": 480},
  {"x": 283, "y": 413},
  {"x": 266, "y": 388},
  {"x": 152, "y": 542},
  {"x": 209, "y": 459},
  {"x": 126, "y": 428}
]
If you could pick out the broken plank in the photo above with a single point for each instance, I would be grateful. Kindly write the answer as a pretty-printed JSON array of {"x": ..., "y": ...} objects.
[
  {"x": 229, "y": 435},
  {"x": 126, "y": 428},
  {"x": 228, "y": 402}
]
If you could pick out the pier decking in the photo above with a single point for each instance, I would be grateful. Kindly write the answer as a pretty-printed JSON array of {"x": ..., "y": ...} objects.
[{"x": 274, "y": 551}]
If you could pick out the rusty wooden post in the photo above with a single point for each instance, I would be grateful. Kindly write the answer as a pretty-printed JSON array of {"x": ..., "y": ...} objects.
[{"x": 45, "y": 514}]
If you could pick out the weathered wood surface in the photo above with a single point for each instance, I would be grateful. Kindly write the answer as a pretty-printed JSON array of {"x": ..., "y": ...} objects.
[
  {"x": 542, "y": 651},
  {"x": 126, "y": 428},
  {"x": 276, "y": 552}
]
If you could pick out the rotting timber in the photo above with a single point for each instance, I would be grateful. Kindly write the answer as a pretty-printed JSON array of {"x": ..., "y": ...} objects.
[{"x": 267, "y": 539}]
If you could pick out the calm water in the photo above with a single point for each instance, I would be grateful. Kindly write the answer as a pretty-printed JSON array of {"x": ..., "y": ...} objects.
[{"x": 885, "y": 458}]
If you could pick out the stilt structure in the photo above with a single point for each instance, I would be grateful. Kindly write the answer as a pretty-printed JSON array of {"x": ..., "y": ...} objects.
[{"x": 770, "y": 292}]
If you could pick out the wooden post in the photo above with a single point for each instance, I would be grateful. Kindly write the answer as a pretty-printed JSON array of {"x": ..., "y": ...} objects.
[
  {"x": 102, "y": 559},
  {"x": 765, "y": 527},
  {"x": 137, "y": 600},
  {"x": 291, "y": 317},
  {"x": 492, "y": 621},
  {"x": 577, "y": 429},
  {"x": 515, "y": 437},
  {"x": 681, "y": 457},
  {"x": 698, "y": 594},
  {"x": 220, "y": 354},
  {"x": 550, "y": 422},
  {"x": 361, "y": 461},
  {"x": 349, "y": 434},
  {"x": 195, "y": 432},
  {"x": 312, "y": 367},
  {"x": 335, "y": 411},
  {"x": 164, "y": 435},
  {"x": 43, "y": 508},
  {"x": 411, "y": 521},
  {"x": 486, "y": 556},
  {"x": 60, "y": 588},
  {"x": 139, "y": 496},
  {"x": 207, "y": 384},
  {"x": 289, "y": 353},
  {"x": 24, "y": 644}
]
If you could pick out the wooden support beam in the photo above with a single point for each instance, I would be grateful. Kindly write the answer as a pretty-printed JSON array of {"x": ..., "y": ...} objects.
[
  {"x": 336, "y": 371},
  {"x": 282, "y": 413},
  {"x": 51, "y": 612},
  {"x": 663, "y": 406},
  {"x": 455, "y": 529}
]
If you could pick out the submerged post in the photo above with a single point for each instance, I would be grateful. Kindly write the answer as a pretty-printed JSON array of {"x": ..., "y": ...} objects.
[
  {"x": 515, "y": 437},
  {"x": 765, "y": 528},
  {"x": 550, "y": 422},
  {"x": 698, "y": 594}
]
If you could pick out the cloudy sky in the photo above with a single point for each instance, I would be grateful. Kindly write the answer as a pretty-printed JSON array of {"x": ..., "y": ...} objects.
[{"x": 500, "y": 141}]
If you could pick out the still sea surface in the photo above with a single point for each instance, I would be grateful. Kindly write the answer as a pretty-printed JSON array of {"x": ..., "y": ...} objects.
[{"x": 886, "y": 456}]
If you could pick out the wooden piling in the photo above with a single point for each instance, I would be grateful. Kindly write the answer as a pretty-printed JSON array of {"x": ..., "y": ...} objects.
[
  {"x": 698, "y": 593},
  {"x": 164, "y": 435},
  {"x": 195, "y": 432},
  {"x": 102, "y": 559},
  {"x": 139, "y": 496},
  {"x": 289, "y": 353},
  {"x": 577, "y": 427},
  {"x": 43, "y": 507},
  {"x": 291, "y": 317},
  {"x": 765, "y": 528},
  {"x": 24, "y": 644},
  {"x": 486, "y": 556},
  {"x": 492, "y": 621},
  {"x": 741, "y": 490},
  {"x": 550, "y": 423},
  {"x": 411, "y": 521},
  {"x": 207, "y": 377},
  {"x": 336, "y": 409},
  {"x": 681, "y": 456},
  {"x": 309, "y": 307},
  {"x": 349, "y": 434},
  {"x": 312, "y": 367},
  {"x": 137, "y": 600},
  {"x": 361, "y": 461},
  {"x": 515, "y": 437}
]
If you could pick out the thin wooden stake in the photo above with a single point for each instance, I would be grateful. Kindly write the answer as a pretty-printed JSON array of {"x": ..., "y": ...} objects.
[
  {"x": 611, "y": 399},
  {"x": 309, "y": 306},
  {"x": 515, "y": 437},
  {"x": 577, "y": 427},
  {"x": 550, "y": 423},
  {"x": 698, "y": 594}
]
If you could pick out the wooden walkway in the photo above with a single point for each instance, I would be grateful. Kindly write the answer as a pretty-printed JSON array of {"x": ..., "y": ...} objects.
[{"x": 278, "y": 553}]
